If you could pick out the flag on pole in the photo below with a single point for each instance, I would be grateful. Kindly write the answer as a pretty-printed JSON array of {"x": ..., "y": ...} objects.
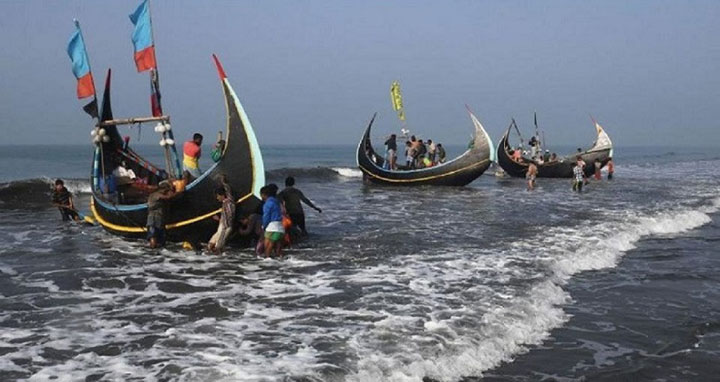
[
  {"x": 80, "y": 64},
  {"x": 142, "y": 38},
  {"x": 396, "y": 99}
]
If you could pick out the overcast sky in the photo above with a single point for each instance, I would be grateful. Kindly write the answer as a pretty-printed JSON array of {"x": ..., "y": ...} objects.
[{"x": 314, "y": 72}]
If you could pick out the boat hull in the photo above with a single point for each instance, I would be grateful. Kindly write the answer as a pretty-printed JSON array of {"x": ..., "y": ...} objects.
[
  {"x": 458, "y": 172},
  {"x": 560, "y": 168},
  {"x": 189, "y": 215}
]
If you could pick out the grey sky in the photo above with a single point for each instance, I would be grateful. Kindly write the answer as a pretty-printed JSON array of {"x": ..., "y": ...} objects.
[{"x": 314, "y": 72}]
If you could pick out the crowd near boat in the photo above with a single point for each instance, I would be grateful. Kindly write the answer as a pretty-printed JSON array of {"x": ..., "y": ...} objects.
[{"x": 231, "y": 202}]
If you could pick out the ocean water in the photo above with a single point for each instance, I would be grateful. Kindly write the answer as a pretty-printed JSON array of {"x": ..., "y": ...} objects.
[{"x": 485, "y": 282}]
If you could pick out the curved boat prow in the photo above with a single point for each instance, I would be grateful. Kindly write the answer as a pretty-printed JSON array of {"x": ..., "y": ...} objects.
[
  {"x": 255, "y": 153},
  {"x": 603, "y": 141},
  {"x": 481, "y": 136}
]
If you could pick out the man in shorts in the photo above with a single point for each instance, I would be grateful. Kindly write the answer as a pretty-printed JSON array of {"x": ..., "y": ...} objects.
[{"x": 272, "y": 221}]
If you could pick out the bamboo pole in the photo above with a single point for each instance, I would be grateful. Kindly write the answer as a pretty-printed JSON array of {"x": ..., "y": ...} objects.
[{"x": 132, "y": 121}]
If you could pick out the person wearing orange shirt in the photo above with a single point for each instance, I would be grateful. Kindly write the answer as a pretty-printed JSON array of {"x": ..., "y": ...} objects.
[{"x": 191, "y": 155}]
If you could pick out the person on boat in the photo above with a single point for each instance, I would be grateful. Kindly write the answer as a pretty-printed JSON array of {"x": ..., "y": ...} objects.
[
  {"x": 578, "y": 177},
  {"x": 531, "y": 174},
  {"x": 517, "y": 154},
  {"x": 598, "y": 168},
  {"x": 441, "y": 153},
  {"x": 553, "y": 157},
  {"x": 225, "y": 220},
  {"x": 292, "y": 198},
  {"x": 108, "y": 188},
  {"x": 121, "y": 171},
  {"x": 391, "y": 144},
  {"x": 534, "y": 146},
  {"x": 540, "y": 160},
  {"x": 420, "y": 154},
  {"x": 63, "y": 200},
  {"x": 431, "y": 151},
  {"x": 546, "y": 157},
  {"x": 414, "y": 142},
  {"x": 217, "y": 151},
  {"x": 157, "y": 205},
  {"x": 610, "y": 168},
  {"x": 272, "y": 220},
  {"x": 409, "y": 155},
  {"x": 191, "y": 155}
]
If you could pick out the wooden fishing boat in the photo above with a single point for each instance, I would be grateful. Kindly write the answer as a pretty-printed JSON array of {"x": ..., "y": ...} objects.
[
  {"x": 562, "y": 167},
  {"x": 457, "y": 172},
  {"x": 189, "y": 216}
]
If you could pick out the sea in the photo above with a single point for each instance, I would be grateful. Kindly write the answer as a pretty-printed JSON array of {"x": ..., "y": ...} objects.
[{"x": 488, "y": 282}]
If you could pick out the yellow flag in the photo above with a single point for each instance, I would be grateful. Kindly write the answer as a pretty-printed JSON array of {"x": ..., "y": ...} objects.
[{"x": 396, "y": 99}]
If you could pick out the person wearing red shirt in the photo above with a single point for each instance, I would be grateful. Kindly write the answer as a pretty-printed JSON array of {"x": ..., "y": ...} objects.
[{"x": 191, "y": 155}]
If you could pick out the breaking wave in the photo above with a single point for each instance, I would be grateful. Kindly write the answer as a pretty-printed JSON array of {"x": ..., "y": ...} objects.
[
  {"x": 443, "y": 348},
  {"x": 35, "y": 193},
  {"x": 313, "y": 173}
]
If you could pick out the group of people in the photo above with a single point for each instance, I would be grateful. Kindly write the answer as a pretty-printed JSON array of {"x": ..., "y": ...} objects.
[
  {"x": 579, "y": 179},
  {"x": 280, "y": 219},
  {"x": 534, "y": 155},
  {"x": 418, "y": 154},
  {"x": 271, "y": 227}
]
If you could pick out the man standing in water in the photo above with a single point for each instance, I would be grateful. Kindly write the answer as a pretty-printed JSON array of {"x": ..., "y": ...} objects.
[
  {"x": 63, "y": 200},
  {"x": 272, "y": 221},
  {"x": 191, "y": 155},
  {"x": 598, "y": 168},
  {"x": 225, "y": 220},
  {"x": 610, "y": 168},
  {"x": 579, "y": 174},
  {"x": 578, "y": 178},
  {"x": 157, "y": 204},
  {"x": 391, "y": 144},
  {"x": 531, "y": 175},
  {"x": 292, "y": 198}
]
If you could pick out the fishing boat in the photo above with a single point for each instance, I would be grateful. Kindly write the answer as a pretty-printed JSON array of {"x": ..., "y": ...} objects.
[
  {"x": 457, "y": 172},
  {"x": 122, "y": 208},
  {"x": 601, "y": 150}
]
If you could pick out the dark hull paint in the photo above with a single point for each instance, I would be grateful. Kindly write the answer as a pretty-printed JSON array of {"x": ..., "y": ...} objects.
[
  {"x": 561, "y": 168},
  {"x": 458, "y": 172},
  {"x": 189, "y": 216}
]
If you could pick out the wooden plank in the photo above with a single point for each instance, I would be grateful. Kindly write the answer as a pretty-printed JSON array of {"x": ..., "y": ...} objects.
[{"x": 132, "y": 121}]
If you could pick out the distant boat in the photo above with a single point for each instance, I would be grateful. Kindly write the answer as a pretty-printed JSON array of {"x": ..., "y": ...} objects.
[
  {"x": 457, "y": 172},
  {"x": 562, "y": 167}
]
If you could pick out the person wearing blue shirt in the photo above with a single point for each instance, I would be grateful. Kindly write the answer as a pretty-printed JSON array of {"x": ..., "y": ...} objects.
[{"x": 272, "y": 220}]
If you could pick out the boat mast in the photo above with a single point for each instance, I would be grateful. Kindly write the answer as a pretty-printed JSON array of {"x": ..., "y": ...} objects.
[
  {"x": 537, "y": 134},
  {"x": 170, "y": 149}
]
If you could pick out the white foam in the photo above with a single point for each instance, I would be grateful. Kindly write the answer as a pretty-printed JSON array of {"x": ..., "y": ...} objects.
[
  {"x": 443, "y": 315},
  {"x": 506, "y": 329},
  {"x": 348, "y": 172}
]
